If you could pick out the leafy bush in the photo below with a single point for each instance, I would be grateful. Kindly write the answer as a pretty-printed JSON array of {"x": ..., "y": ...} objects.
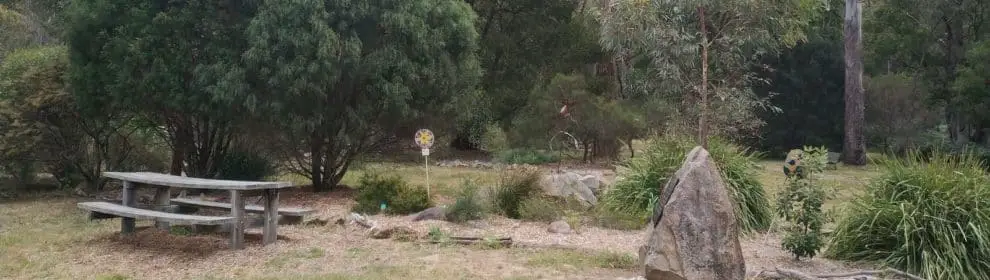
[
  {"x": 526, "y": 156},
  {"x": 240, "y": 164},
  {"x": 397, "y": 196},
  {"x": 467, "y": 206},
  {"x": 800, "y": 204},
  {"x": 539, "y": 209},
  {"x": 928, "y": 216},
  {"x": 513, "y": 188},
  {"x": 642, "y": 177}
]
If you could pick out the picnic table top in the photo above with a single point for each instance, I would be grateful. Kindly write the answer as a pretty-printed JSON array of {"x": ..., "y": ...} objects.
[{"x": 160, "y": 179}]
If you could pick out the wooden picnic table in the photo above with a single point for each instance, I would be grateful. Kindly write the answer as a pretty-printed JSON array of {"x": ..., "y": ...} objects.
[{"x": 163, "y": 183}]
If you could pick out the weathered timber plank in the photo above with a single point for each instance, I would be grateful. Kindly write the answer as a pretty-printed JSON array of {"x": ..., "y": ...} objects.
[
  {"x": 158, "y": 179},
  {"x": 257, "y": 209},
  {"x": 138, "y": 213}
]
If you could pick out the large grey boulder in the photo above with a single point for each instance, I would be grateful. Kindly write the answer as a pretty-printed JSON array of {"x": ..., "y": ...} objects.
[
  {"x": 566, "y": 184},
  {"x": 693, "y": 232}
]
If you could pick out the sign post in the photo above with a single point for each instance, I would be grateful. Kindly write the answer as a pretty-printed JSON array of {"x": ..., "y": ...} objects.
[{"x": 424, "y": 138}]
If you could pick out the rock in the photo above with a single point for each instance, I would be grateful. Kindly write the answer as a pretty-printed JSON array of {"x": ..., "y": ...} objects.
[
  {"x": 693, "y": 232},
  {"x": 569, "y": 183},
  {"x": 560, "y": 227},
  {"x": 592, "y": 182},
  {"x": 433, "y": 213}
]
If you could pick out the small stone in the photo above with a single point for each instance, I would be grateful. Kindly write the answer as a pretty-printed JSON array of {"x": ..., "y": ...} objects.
[
  {"x": 560, "y": 227},
  {"x": 433, "y": 213}
]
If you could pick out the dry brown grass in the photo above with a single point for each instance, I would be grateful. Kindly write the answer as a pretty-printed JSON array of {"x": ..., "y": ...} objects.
[{"x": 48, "y": 238}]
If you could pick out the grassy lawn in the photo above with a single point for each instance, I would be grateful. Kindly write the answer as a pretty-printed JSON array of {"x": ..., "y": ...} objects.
[{"x": 47, "y": 237}]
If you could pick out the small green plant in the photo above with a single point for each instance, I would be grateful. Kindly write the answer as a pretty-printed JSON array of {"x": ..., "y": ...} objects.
[
  {"x": 539, "y": 209},
  {"x": 397, "y": 197},
  {"x": 513, "y": 188},
  {"x": 181, "y": 230},
  {"x": 800, "y": 205},
  {"x": 526, "y": 156},
  {"x": 437, "y": 235},
  {"x": 239, "y": 164},
  {"x": 467, "y": 206}
]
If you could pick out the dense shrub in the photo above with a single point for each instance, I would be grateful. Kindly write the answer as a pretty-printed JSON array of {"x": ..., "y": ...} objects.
[
  {"x": 642, "y": 177},
  {"x": 925, "y": 216},
  {"x": 397, "y": 196},
  {"x": 540, "y": 209},
  {"x": 467, "y": 206},
  {"x": 241, "y": 164},
  {"x": 513, "y": 188},
  {"x": 526, "y": 156}
]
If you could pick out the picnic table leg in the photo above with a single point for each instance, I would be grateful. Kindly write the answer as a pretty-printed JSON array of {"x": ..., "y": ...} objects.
[
  {"x": 129, "y": 199},
  {"x": 271, "y": 216},
  {"x": 237, "y": 211},
  {"x": 162, "y": 200}
]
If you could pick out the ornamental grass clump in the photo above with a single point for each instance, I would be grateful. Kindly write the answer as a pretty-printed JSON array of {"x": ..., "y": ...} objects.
[
  {"x": 642, "y": 177},
  {"x": 926, "y": 215}
]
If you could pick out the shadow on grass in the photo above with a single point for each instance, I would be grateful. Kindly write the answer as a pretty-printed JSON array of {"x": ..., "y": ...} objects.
[{"x": 191, "y": 247}]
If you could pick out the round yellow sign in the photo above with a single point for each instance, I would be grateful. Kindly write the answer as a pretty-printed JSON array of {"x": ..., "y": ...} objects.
[{"x": 424, "y": 138}]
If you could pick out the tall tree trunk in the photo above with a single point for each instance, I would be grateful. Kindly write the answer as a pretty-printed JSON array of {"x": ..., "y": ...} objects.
[
  {"x": 316, "y": 161},
  {"x": 854, "y": 144},
  {"x": 703, "y": 114}
]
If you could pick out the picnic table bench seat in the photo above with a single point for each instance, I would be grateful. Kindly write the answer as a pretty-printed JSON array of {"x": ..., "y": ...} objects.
[
  {"x": 145, "y": 214},
  {"x": 291, "y": 215}
]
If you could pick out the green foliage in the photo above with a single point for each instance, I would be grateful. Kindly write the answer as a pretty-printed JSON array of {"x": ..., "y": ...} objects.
[
  {"x": 397, "y": 196},
  {"x": 927, "y": 216},
  {"x": 540, "y": 209},
  {"x": 666, "y": 65},
  {"x": 494, "y": 139},
  {"x": 595, "y": 119},
  {"x": 644, "y": 175},
  {"x": 352, "y": 73},
  {"x": 245, "y": 165},
  {"x": 526, "y": 156},
  {"x": 467, "y": 205},
  {"x": 40, "y": 123},
  {"x": 513, "y": 188},
  {"x": 898, "y": 114},
  {"x": 800, "y": 205},
  {"x": 806, "y": 83}
]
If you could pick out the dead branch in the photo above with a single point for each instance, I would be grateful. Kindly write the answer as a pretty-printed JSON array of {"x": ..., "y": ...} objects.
[
  {"x": 781, "y": 273},
  {"x": 363, "y": 221},
  {"x": 501, "y": 241}
]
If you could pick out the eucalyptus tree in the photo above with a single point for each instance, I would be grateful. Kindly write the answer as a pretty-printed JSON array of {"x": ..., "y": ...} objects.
[{"x": 701, "y": 54}]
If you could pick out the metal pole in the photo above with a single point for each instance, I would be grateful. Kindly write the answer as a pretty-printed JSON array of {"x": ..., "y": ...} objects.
[{"x": 427, "y": 175}]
